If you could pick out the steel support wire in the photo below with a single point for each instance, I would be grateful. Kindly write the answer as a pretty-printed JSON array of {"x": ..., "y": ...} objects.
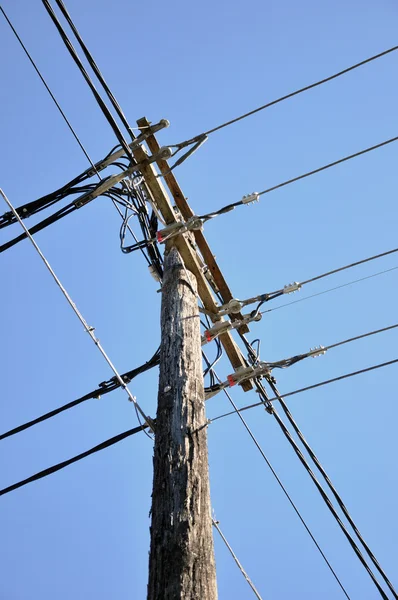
[
  {"x": 296, "y": 510},
  {"x": 216, "y": 525},
  {"x": 330, "y": 485},
  {"x": 88, "y": 329},
  {"x": 87, "y": 78}
]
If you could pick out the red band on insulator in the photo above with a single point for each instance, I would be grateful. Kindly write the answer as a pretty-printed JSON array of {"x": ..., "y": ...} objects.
[
  {"x": 231, "y": 380},
  {"x": 159, "y": 236},
  {"x": 208, "y": 335}
]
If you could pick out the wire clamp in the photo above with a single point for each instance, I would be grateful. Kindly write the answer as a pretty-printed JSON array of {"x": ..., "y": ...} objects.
[
  {"x": 241, "y": 374},
  {"x": 253, "y": 197},
  {"x": 233, "y": 306},
  {"x": 292, "y": 287},
  {"x": 317, "y": 351}
]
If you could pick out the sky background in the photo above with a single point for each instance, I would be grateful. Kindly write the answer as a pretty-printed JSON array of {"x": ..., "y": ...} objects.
[{"x": 84, "y": 532}]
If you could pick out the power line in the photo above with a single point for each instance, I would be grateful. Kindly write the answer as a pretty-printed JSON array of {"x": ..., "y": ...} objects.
[
  {"x": 255, "y": 195},
  {"x": 320, "y": 489},
  {"x": 106, "y": 112},
  {"x": 359, "y": 337},
  {"x": 241, "y": 569},
  {"x": 104, "y": 388},
  {"x": 95, "y": 68},
  {"x": 66, "y": 463},
  {"x": 264, "y": 368},
  {"x": 296, "y": 93},
  {"x": 48, "y": 89},
  {"x": 338, "y": 287},
  {"x": 310, "y": 387},
  {"x": 296, "y": 286},
  {"x": 89, "y": 330},
  {"x": 328, "y": 166},
  {"x": 259, "y": 448},
  {"x": 194, "y": 222},
  {"x": 95, "y": 167},
  {"x": 331, "y": 486}
]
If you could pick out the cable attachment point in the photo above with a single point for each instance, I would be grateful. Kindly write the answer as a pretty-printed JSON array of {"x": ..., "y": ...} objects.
[
  {"x": 240, "y": 375},
  {"x": 290, "y": 288},
  {"x": 253, "y": 197},
  {"x": 193, "y": 223},
  {"x": 165, "y": 153},
  {"x": 317, "y": 351},
  {"x": 233, "y": 306}
]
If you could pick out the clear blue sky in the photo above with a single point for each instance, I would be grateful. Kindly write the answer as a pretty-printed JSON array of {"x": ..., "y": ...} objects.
[{"x": 84, "y": 532}]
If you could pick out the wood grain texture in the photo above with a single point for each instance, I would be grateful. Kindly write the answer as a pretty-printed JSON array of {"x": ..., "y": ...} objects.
[
  {"x": 162, "y": 201},
  {"x": 181, "y": 564}
]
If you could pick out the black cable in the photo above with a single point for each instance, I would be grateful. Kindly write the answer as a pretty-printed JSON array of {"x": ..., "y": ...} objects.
[
  {"x": 95, "y": 68},
  {"x": 86, "y": 76},
  {"x": 236, "y": 411},
  {"x": 70, "y": 461},
  {"x": 363, "y": 335},
  {"x": 272, "y": 384},
  {"x": 48, "y": 89},
  {"x": 354, "y": 264},
  {"x": 328, "y": 166},
  {"x": 292, "y": 94},
  {"x": 104, "y": 388},
  {"x": 320, "y": 489},
  {"x": 63, "y": 212},
  {"x": 312, "y": 387},
  {"x": 331, "y": 486},
  {"x": 230, "y": 207}
]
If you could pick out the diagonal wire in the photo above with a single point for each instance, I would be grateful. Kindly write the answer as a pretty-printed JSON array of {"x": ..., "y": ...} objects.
[
  {"x": 303, "y": 89},
  {"x": 249, "y": 431},
  {"x": 241, "y": 569},
  {"x": 331, "y": 486},
  {"x": 322, "y": 492},
  {"x": 89, "y": 330},
  {"x": 49, "y": 90},
  {"x": 70, "y": 461},
  {"x": 338, "y": 287},
  {"x": 310, "y": 387},
  {"x": 67, "y": 121}
]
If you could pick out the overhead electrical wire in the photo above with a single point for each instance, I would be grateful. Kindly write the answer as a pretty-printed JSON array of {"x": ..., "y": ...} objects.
[
  {"x": 48, "y": 200},
  {"x": 48, "y": 89},
  {"x": 296, "y": 286},
  {"x": 50, "y": 470},
  {"x": 338, "y": 287},
  {"x": 244, "y": 201},
  {"x": 271, "y": 409},
  {"x": 265, "y": 368},
  {"x": 331, "y": 486},
  {"x": 216, "y": 525},
  {"x": 322, "y": 492},
  {"x": 310, "y": 387},
  {"x": 259, "y": 448},
  {"x": 197, "y": 221},
  {"x": 292, "y": 94},
  {"x": 95, "y": 68},
  {"x": 104, "y": 388},
  {"x": 89, "y": 330},
  {"x": 106, "y": 112}
]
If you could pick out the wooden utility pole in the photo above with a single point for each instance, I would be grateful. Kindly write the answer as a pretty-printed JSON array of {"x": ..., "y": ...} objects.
[{"x": 181, "y": 563}]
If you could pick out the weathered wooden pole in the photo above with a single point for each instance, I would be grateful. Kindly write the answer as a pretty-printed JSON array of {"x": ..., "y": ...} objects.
[{"x": 181, "y": 563}]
